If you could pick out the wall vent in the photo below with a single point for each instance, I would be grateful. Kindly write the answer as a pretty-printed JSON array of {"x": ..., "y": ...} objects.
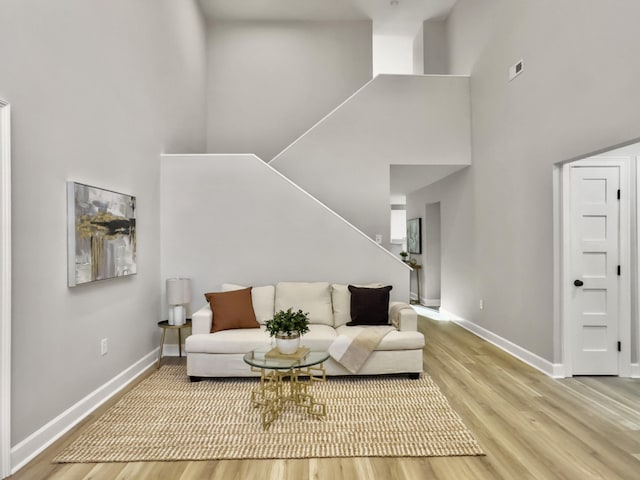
[{"x": 516, "y": 69}]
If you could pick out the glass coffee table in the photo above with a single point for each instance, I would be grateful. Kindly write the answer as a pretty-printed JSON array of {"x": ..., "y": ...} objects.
[{"x": 286, "y": 380}]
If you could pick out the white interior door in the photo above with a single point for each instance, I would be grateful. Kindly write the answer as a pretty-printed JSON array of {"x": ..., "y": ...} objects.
[{"x": 595, "y": 260}]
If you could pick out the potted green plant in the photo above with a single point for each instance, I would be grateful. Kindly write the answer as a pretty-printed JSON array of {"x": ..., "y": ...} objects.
[
  {"x": 404, "y": 256},
  {"x": 287, "y": 326}
]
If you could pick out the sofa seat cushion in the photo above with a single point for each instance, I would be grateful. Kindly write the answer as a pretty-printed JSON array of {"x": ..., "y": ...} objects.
[
  {"x": 394, "y": 340},
  {"x": 228, "y": 341},
  {"x": 311, "y": 298},
  {"x": 319, "y": 337}
]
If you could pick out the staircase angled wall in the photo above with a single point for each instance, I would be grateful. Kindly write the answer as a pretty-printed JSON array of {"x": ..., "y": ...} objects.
[
  {"x": 233, "y": 218},
  {"x": 344, "y": 159}
]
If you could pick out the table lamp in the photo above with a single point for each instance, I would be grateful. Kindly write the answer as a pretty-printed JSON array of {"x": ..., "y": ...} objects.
[{"x": 178, "y": 295}]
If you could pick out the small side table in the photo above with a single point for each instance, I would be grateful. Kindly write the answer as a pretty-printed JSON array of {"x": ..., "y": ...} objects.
[
  {"x": 416, "y": 268},
  {"x": 164, "y": 325}
]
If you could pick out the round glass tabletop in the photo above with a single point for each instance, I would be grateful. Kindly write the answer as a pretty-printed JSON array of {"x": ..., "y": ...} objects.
[{"x": 258, "y": 358}]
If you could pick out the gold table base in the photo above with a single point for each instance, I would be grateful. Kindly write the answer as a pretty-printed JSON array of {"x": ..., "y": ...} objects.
[{"x": 274, "y": 392}]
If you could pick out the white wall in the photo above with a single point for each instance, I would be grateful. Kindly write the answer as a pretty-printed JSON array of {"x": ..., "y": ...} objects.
[
  {"x": 577, "y": 94},
  {"x": 431, "y": 270},
  {"x": 395, "y": 119},
  {"x": 418, "y": 52},
  {"x": 470, "y": 27},
  {"x": 268, "y": 82},
  {"x": 434, "y": 50},
  {"x": 393, "y": 54},
  {"x": 97, "y": 90},
  {"x": 254, "y": 227},
  {"x": 457, "y": 255}
]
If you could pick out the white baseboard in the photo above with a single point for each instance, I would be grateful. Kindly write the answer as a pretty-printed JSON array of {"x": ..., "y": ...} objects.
[
  {"x": 35, "y": 443},
  {"x": 430, "y": 302},
  {"x": 539, "y": 363},
  {"x": 635, "y": 370},
  {"x": 427, "y": 302},
  {"x": 558, "y": 371}
]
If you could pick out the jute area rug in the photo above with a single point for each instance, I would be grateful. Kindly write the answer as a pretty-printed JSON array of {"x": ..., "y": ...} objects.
[{"x": 166, "y": 417}]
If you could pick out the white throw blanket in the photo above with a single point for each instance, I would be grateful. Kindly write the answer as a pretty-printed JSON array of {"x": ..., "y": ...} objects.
[{"x": 352, "y": 350}]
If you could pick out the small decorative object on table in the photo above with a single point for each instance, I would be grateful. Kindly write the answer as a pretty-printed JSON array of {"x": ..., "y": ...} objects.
[
  {"x": 297, "y": 355},
  {"x": 404, "y": 256},
  {"x": 287, "y": 326}
]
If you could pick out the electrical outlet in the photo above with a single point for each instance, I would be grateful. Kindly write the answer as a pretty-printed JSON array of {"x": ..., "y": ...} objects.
[
  {"x": 104, "y": 347},
  {"x": 481, "y": 304}
]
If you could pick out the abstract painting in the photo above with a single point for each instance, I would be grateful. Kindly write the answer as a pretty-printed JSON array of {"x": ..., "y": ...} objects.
[
  {"x": 414, "y": 235},
  {"x": 101, "y": 234}
]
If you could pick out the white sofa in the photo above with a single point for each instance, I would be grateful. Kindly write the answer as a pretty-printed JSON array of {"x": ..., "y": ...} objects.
[{"x": 220, "y": 354}]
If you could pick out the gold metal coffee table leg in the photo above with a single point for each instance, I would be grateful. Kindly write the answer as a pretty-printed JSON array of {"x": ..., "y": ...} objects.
[{"x": 274, "y": 392}]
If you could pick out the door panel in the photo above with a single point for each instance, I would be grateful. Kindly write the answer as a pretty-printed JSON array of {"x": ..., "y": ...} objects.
[{"x": 594, "y": 261}]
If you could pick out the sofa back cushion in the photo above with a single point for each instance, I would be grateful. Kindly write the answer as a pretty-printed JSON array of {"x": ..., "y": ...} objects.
[
  {"x": 231, "y": 310},
  {"x": 263, "y": 299},
  {"x": 311, "y": 298},
  {"x": 341, "y": 300}
]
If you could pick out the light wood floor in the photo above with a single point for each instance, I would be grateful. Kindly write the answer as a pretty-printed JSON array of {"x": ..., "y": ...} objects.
[{"x": 530, "y": 426}]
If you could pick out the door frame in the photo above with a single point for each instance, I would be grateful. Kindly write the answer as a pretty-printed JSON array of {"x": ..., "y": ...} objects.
[
  {"x": 624, "y": 325},
  {"x": 5, "y": 289}
]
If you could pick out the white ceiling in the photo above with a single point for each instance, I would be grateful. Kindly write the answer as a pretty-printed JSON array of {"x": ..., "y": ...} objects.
[{"x": 326, "y": 10}]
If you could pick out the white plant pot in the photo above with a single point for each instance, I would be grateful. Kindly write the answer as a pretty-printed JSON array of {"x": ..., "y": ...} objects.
[{"x": 287, "y": 345}]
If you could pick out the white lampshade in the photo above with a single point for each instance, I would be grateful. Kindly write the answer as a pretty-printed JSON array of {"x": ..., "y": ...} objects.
[
  {"x": 178, "y": 294},
  {"x": 178, "y": 291}
]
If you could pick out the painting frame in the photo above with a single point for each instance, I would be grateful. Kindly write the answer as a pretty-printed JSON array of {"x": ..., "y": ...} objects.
[
  {"x": 101, "y": 234},
  {"x": 414, "y": 236}
]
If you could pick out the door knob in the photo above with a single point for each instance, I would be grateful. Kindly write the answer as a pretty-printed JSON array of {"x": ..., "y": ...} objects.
[{"x": 578, "y": 283}]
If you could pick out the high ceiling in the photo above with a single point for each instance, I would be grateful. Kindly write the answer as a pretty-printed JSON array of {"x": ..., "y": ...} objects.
[{"x": 380, "y": 11}]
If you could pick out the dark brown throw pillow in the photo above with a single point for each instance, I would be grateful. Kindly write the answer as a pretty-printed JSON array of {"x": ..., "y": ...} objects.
[
  {"x": 369, "y": 306},
  {"x": 232, "y": 310}
]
